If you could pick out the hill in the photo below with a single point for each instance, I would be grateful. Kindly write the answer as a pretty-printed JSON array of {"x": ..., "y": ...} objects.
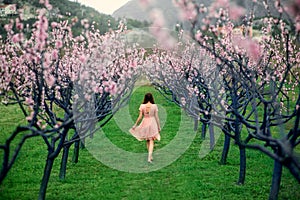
[
  {"x": 68, "y": 10},
  {"x": 133, "y": 10}
]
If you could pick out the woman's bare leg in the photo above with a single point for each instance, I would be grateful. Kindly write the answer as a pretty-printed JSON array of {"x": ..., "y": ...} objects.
[
  {"x": 150, "y": 150},
  {"x": 148, "y": 145}
]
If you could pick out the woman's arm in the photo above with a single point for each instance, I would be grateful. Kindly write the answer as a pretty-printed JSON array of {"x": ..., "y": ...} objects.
[
  {"x": 138, "y": 119},
  {"x": 157, "y": 119}
]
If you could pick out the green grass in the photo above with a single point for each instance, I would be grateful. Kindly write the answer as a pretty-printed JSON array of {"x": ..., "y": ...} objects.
[{"x": 189, "y": 177}]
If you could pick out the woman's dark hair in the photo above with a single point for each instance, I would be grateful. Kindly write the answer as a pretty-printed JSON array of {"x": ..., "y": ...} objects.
[{"x": 148, "y": 97}]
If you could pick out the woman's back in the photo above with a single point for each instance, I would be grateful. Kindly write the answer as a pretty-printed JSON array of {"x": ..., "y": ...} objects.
[
  {"x": 149, "y": 128},
  {"x": 149, "y": 109}
]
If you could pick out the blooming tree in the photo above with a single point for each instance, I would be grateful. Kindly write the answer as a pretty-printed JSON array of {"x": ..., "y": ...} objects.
[
  {"x": 257, "y": 98},
  {"x": 63, "y": 83}
]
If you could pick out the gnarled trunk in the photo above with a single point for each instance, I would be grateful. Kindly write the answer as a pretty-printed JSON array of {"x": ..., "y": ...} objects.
[
  {"x": 46, "y": 177},
  {"x": 225, "y": 150},
  {"x": 211, "y": 136},
  {"x": 76, "y": 151},
  {"x": 276, "y": 179},
  {"x": 242, "y": 174},
  {"x": 64, "y": 161},
  {"x": 203, "y": 133}
]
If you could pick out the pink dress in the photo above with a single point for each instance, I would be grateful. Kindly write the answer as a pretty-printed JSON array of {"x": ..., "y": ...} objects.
[{"x": 148, "y": 128}]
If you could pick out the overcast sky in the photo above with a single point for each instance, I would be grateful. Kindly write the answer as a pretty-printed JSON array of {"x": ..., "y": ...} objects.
[{"x": 104, "y": 6}]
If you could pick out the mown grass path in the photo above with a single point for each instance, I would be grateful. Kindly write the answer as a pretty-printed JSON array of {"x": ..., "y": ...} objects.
[{"x": 188, "y": 177}]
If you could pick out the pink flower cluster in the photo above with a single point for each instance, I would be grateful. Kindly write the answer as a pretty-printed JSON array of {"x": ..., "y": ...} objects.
[
  {"x": 159, "y": 30},
  {"x": 188, "y": 10},
  {"x": 51, "y": 60}
]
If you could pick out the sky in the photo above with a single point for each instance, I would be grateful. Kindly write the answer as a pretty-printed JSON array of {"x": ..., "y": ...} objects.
[{"x": 104, "y": 6}]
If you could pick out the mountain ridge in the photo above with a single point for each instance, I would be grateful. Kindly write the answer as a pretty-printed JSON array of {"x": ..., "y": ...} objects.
[
  {"x": 133, "y": 10},
  {"x": 68, "y": 10}
]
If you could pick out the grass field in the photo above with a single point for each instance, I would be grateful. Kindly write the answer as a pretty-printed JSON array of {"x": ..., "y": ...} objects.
[{"x": 189, "y": 177}]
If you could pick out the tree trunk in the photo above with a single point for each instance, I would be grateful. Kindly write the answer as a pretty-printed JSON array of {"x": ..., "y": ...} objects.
[
  {"x": 196, "y": 124},
  {"x": 294, "y": 170},
  {"x": 277, "y": 171},
  {"x": 46, "y": 177},
  {"x": 5, "y": 169},
  {"x": 76, "y": 152},
  {"x": 203, "y": 133},
  {"x": 225, "y": 150},
  {"x": 82, "y": 145},
  {"x": 242, "y": 165},
  {"x": 64, "y": 161},
  {"x": 212, "y": 136}
]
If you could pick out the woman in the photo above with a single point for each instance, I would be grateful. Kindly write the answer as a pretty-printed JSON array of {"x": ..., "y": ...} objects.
[{"x": 149, "y": 128}]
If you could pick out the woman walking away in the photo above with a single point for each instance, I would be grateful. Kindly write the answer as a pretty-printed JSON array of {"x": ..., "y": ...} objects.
[{"x": 149, "y": 128}]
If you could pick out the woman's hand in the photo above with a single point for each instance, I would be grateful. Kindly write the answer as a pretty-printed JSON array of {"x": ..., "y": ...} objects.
[{"x": 133, "y": 127}]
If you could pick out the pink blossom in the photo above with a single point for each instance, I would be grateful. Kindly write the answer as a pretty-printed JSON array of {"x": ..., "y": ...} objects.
[
  {"x": 219, "y": 61},
  {"x": 298, "y": 26},
  {"x": 44, "y": 126},
  {"x": 58, "y": 44},
  {"x": 42, "y": 28},
  {"x": 54, "y": 24},
  {"x": 47, "y": 56},
  {"x": 222, "y": 3},
  {"x": 189, "y": 12},
  {"x": 84, "y": 76},
  {"x": 55, "y": 54},
  {"x": 198, "y": 35},
  {"x": 251, "y": 47},
  {"x": 133, "y": 63},
  {"x": 79, "y": 38},
  {"x": 113, "y": 88},
  {"x": 157, "y": 29},
  {"x": 50, "y": 80},
  {"x": 57, "y": 125},
  {"x": 86, "y": 26},
  {"x": 85, "y": 22},
  {"x": 235, "y": 12},
  {"x": 30, "y": 117},
  {"x": 157, "y": 18},
  {"x": 8, "y": 27},
  {"x": 145, "y": 3},
  {"x": 16, "y": 38},
  {"x": 19, "y": 25},
  {"x": 277, "y": 4},
  {"x": 254, "y": 50},
  {"x": 48, "y": 5},
  {"x": 29, "y": 101},
  {"x": 82, "y": 58}
]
